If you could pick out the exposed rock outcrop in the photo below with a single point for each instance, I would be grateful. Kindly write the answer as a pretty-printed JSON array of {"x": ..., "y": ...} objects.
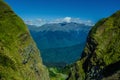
[
  {"x": 19, "y": 56},
  {"x": 101, "y": 56}
]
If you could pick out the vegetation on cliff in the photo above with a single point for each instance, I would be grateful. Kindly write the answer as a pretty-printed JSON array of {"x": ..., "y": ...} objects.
[
  {"x": 101, "y": 56},
  {"x": 19, "y": 57}
]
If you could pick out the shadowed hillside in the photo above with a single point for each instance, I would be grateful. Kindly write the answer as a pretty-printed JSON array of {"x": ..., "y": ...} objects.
[{"x": 101, "y": 56}]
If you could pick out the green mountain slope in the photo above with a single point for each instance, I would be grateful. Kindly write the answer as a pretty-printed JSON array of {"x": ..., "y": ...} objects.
[
  {"x": 101, "y": 56},
  {"x": 19, "y": 57}
]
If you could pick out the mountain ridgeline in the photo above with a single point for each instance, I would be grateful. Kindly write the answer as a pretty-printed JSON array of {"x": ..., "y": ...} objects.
[
  {"x": 60, "y": 43},
  {"x": 19, "y": 57},
  {"x": 56, "y": 35},
  {"x": 101, "y": 56}
]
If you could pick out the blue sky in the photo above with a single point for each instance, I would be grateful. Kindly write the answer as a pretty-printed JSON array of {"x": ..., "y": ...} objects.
[{"x": 59, "y": 9}]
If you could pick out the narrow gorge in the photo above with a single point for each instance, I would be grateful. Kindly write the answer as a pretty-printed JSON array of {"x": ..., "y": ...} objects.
[{"x": 20, "y": 59}]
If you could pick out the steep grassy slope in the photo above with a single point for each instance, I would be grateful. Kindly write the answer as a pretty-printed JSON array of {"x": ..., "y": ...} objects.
[
  {"x": 57, "y": 73},
  {"x": 101, "y": 56},
  {"x": 19, "y": 57}
]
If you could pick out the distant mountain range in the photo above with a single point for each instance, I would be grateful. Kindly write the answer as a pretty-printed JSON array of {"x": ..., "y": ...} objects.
[
  {"x": 60, "y": 57},
  {"x": 67, "y": 27},
  {"x": 20, "y": 58},
  {"x": 56, "y": 41}
]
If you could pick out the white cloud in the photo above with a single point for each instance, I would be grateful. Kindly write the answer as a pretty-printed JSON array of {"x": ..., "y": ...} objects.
[
  {"x": 76, "y": 20},
  {"x": 60, "y": 20},
  {"x": 40, "y": 22},
  {"x": 37, "y": 22},
  {"x": 67, "y": 19},
  {"x": 30, "y": 22}
]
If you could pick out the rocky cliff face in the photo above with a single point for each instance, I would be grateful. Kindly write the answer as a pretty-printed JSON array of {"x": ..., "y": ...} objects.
[
  {"x": 19, "y": 56},
  {"x": 101, "y": 56}
]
